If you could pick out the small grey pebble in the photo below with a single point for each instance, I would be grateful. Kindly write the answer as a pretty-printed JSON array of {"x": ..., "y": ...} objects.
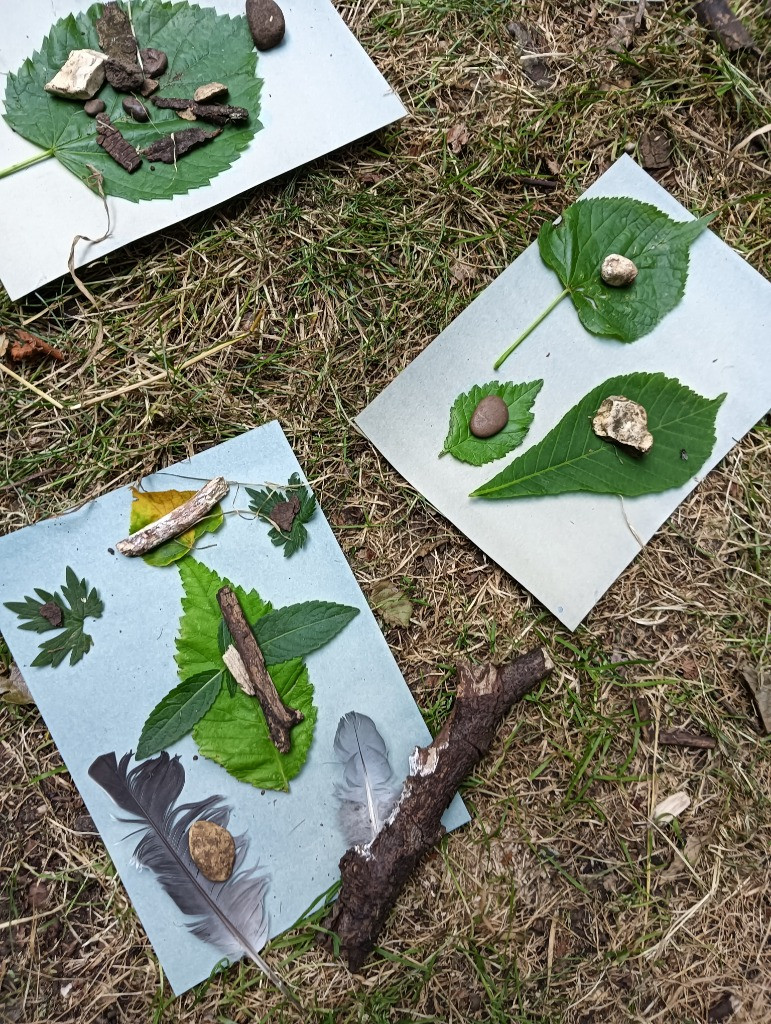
[
  {"x": 135, "y": 109},
  {"x": 94, "y": 107},
  {"x": 490, "y": 417}
]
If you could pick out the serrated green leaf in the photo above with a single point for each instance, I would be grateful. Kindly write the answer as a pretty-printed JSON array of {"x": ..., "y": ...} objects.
[
  {"x": 202, "y": 46},
  {"x": 77, "y": 604},
  {"x": 573, "y": 458},
  {"x": 235, "y": 735},
  {"x": 149, "y": 506},
  {"x": 264, "y": 501},
  {"x": 175, "y": 715},
  {"x": 592, "y": 229},
  {"x": 463, "y": 445},
  {"x": 298, "y": 629}
]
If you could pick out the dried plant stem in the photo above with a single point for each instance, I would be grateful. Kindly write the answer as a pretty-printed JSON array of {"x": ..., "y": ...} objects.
[
  {"x": 31, "y": 387},
  {"x": 176, "y": 522},
  {"x": 528, "y": 330}
]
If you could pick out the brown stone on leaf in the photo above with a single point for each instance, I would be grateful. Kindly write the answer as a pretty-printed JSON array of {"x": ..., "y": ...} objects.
[
  {"x": 170, "y": 148},
  {"x": 285, "y": 513},
  {"x": 212, "y": 849},
  {"x": 135, "y": 109},
  {"x": 124, "y": 77},
  {"x": 52, "y": 613},
  {"x": 266, "y": 23},
  {"x": 489, "y": 417},
  {"x": 624, "y": 421},
  {"x": 211, "y": 93},
  {"x": 94, "y": 107},
  {"x": 113, "y": 143},
  {"x": 154, "y": 62}
]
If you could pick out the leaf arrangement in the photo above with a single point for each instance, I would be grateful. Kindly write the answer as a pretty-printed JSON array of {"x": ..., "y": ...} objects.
[
  {"x": 202, "y": 46},
  {"x": 148, "y": 506},
  {"x": 592, "y": 229},
  {"x": 464, "y": 446},
  {"x": 76, "y": 603},
  {"x": 228, "y": 726},
  {"x": 573, "y": 458},
  {"x": 264, "y": 505}
]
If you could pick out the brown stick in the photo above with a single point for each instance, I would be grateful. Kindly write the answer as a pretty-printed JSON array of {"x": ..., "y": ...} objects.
[
  {"x": 280, "y": 719},
  {"x": 175, "y": 522},
  {"x": 374, "y": 876},
  {"x": 685, "y": 738}
]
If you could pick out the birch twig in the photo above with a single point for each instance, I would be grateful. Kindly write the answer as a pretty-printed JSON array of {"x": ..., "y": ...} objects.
[{"x": 176, "y": 522}]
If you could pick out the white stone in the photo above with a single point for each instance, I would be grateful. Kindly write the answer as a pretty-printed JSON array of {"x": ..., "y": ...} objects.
[
  {"x": 625, "y": 421},
  {"x": 618, "y": 271},
  {"x": 81, "y": 77}
]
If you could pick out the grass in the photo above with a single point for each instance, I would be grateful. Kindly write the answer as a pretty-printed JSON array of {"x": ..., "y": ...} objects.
[{"x": 560, "y": 901}]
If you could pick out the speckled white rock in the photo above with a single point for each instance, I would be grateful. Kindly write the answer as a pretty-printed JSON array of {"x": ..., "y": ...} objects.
[
  {"x": 625, "y": 421},
  {"x": 80, "y": 77},
  {"x": 618, "y": 271}
]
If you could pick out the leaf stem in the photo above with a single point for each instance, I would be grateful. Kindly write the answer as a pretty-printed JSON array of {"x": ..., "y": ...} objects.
[
  {"x": 26, "y": 163},
  {"x": 530, "y": 329}
]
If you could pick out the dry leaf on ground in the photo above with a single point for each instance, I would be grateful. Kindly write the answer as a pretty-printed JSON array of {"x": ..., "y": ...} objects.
[
  {"x": 457, "y": 137},
  {"x": 13, "y": 689},
  {"x": 670, "y": 808},
  {"x": 392, "y": 605}
]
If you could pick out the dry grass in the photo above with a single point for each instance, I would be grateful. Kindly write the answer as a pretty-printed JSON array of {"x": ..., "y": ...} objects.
[{"x": 560, "y": 902}]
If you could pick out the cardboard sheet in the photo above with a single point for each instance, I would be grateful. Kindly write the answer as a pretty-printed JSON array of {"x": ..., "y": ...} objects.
[
  {"x": 568, "y": 550},
  {"x": 321, "y": 91},
  {"x": 101, "y": 703}
]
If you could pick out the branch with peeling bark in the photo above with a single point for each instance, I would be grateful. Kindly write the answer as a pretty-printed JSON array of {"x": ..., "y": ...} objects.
[
  {"x": 252, "y": 675},
  {"x": 176, "y": 522},
  {"x": 373, "y": 876}
]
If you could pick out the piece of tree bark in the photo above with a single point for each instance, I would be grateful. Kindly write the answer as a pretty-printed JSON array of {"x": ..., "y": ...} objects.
[
  {"x": 685, "y": 738},
  {"x": 279, "y": 718},
  {"x": 373, "y": 876},
  {"x": 177, "y": 521},
  {"x": 214, "y": 113},
  {"x": 717, "y": 16},
  {"x": 113, "y": 143}
]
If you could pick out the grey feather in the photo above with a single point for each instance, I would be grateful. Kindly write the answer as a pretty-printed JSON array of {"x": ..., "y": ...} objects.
[
  {"x": 230, "y": 915},
  {"x": 367, "y": 793}
]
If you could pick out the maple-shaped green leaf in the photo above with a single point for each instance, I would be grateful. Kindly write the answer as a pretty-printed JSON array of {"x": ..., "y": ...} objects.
[
  {"x": 463, "y": 445},
  {"x": 201, "y": 45},
  {"x": 592, "y": 229},
  {"x": 263, "y": 504},
  {"x": 573, "y": 458},
  {"x": 149, "y": 506},
  {"x": 175, "y": 715},
  {"x": 77, "y": 603},
  {"x": 233, "y": 732}
]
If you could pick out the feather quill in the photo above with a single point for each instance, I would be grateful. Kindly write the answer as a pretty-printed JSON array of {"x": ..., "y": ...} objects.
[
  {"x": 230, "y": 915},
  {"x": 367, "y": 793}
]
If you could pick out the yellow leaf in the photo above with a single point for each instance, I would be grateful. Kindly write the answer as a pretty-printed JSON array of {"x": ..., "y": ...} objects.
[{"x": 151, "y": 505}]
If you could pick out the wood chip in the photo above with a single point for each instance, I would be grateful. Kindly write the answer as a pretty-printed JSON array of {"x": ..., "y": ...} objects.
[
  {"x": 685, "y": 738},
  {"x": 214, "y": 113},
  {"x": 670, "y": 808},
  {"x": 52, "y": 613},
  {"x": 723, "y": 25},
  {"x": 113, "y": 143},
  {"x": 285, "y": 513},
  {"x": 655, "y": 151},
  {"x": 172, "y": 147}
]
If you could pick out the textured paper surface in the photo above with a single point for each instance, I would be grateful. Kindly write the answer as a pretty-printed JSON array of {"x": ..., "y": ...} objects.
[
  {"x": 320, "y": 91},
  {"x": 101, "y": 703},
  {"x": 567, "y": 550}
]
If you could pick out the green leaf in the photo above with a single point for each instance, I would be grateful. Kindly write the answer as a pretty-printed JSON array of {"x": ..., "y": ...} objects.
[
  {"x": 298, "y": 629},
  {"x": 592, "y": 229},
  {"x": 197, "y": 646},
  {"x": 174, "y": 716},
  {"x": 202, "y": 46},
  {"x": 263, "y": 502},
  {"x": 77, "y": 604},
  {"x": 573, "y": 458},
  {"x": 235, "y": 735},
  {"x": 462, "y": 444},
  {"x": 149, "y": 506}
]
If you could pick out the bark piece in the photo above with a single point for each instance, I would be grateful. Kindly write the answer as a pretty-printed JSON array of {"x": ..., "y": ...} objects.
[
  {"x": 212, "y": 849},
  {"x": 170, "y": 148},
  {"x": 285, "y": 513},
  {"x": 113, "y": 143},
  {"x": 176, "y": 522},
  {"x": 373, "y": 876},
  {"x": 655, "y": 151},
  {"x": 686, "y": 738},
  {"x": 29, "y": 346},
  {"x": 214, "y": 113},
  {"x": 116, "y": 36},
  {"x": 124, "y": 77},
  {"x": 154, "y": 62},
  {"x": 266, "y": 23},
  {"x": 723, "y": 25},
  {"x": 52, "y": 613},
  {"x": 279, "y": 718},
  {"x": 211, "y": 93},
  {"x": 533, "y": 64},
  {"x": 80, "y": 77}
]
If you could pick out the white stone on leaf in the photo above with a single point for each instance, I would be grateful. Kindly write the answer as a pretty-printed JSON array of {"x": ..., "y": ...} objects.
[{"x": 81, "y": 77}]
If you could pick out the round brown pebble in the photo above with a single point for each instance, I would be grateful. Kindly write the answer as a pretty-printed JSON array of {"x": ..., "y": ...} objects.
[
  {"x": 490, "y": 417},
  {"x": 135, "y": 109},
  {"x": 154, "y": 62},
  {"x": 266, "y": 23},
  {"x": 213, "y": 850},
  {"x": 94, "y": 107}
]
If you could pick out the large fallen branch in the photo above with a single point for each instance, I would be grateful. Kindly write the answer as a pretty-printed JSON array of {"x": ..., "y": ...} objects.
[
  {"x": 176, "y": 522},
  {"x": 373, "y": 876}
]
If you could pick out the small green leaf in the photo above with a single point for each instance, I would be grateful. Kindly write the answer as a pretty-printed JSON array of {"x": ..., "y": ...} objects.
[
  {"x": 233, "y": 732},
  {"x": 592, "y": 229},
  {"x": 263, "y": 502},
  {"x": 298, "y": 629},
  {"x": 573, "y": 458},
  {"x": 174, "y": 716},
  {"x": 463, "y": 445}
]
